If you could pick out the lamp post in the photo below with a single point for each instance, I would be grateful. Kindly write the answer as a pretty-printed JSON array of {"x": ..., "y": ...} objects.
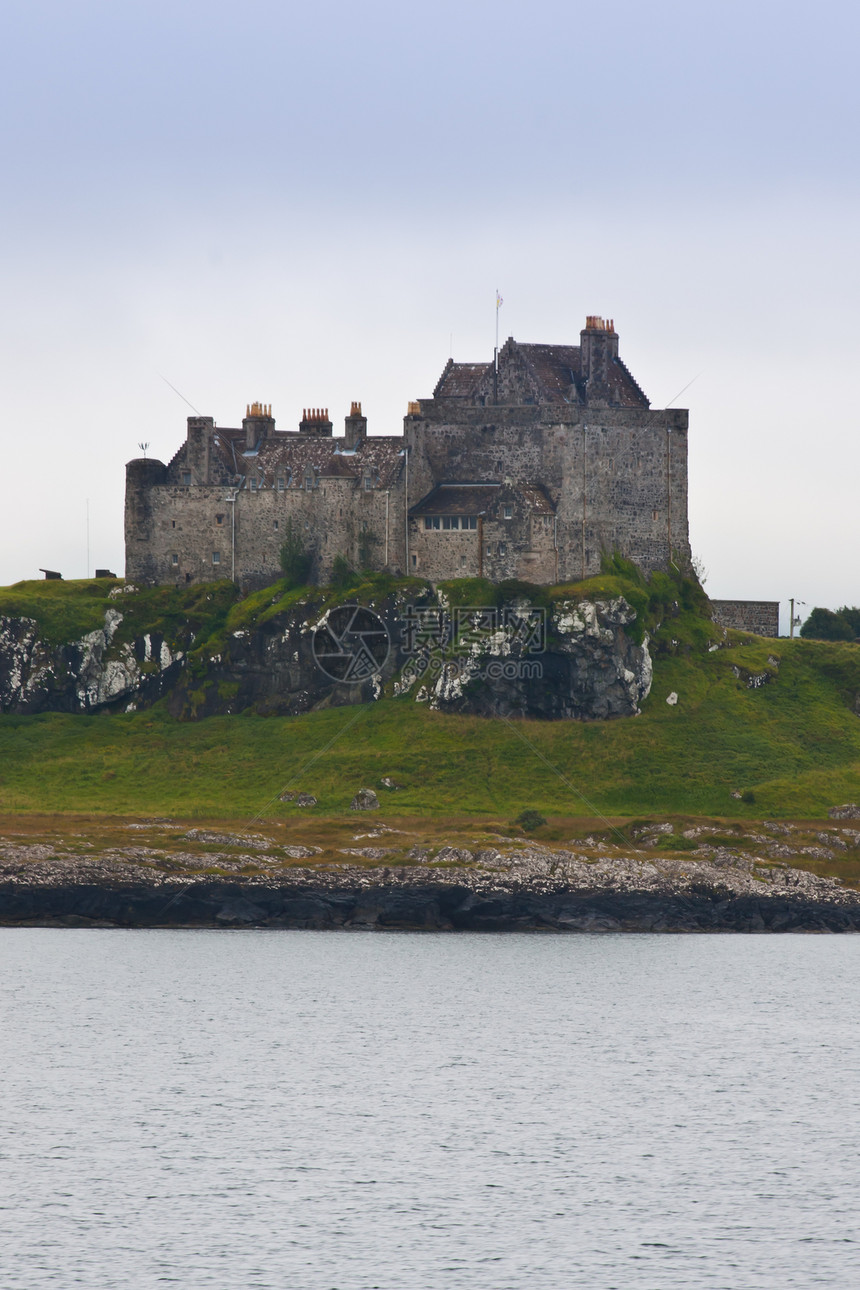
[{"x": 792, "y": 621}]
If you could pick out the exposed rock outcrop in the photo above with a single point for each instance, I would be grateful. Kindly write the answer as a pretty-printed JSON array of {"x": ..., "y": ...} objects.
[
  {"x": 587, "y": 666},
  {"x": 96, "y": 672},
  {"x": 574, "y": 659},
  {"x": 530, "y": 889}
]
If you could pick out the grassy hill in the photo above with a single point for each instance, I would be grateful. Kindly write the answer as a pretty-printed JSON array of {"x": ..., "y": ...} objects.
[{"x": 775, "y": 721}]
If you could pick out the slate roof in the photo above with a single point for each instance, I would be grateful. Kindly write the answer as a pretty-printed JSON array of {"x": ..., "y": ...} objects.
[
  {"x": 461, "y": 380},
  {"x": 557, "y": 374},
  {"x": 457, "y": 499},
  {"x": 289, "y": 455},
  {"x": 475, "y": 499},
  {"x": 555, "y": 366}
]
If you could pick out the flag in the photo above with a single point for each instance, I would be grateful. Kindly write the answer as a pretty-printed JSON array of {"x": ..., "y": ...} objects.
[{"x": 499, "y": 300}]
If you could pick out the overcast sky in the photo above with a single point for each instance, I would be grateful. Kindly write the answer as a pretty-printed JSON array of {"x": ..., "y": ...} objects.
[{"x": 307, "y": 205}]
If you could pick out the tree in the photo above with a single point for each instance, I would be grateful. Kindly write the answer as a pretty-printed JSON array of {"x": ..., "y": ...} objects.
[
  {"x": 295, "y": 560},
  {"x": 852, "y": 618},
  {"x": 824, "y": 625}
]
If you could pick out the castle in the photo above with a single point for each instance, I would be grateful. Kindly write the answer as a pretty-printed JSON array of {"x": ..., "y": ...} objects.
[{"x": 529, "y": 466}]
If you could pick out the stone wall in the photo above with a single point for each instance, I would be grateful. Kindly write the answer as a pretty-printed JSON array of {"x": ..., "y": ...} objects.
[
  {"x": 617, "y": 477},
  {"x": 761, "y": 617},
  {"x": 177, "y": 534}
]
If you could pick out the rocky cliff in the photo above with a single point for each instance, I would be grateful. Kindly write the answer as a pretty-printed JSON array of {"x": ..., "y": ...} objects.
[{"x": 572, "y": 658}]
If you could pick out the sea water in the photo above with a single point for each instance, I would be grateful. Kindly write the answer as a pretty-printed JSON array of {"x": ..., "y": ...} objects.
[{"x": 341, "y": 1111}]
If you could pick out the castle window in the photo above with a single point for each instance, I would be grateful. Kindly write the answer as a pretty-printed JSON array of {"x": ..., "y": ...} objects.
[
  {"x": 503, "y": 548},
  {"x": 415, "y": 562},
  {"x": 281, "y": 483},
  {"x": 509, "y": 512},
  {"x": 276, "y": 526},
  {"x": 173, "y": 524},
  {"x": 450, "y": 521},
  {"x": 368, "y": 481},
  {"x": 216, "y": 557},
  {"x": 174, "y": 559},
  {"x": 219, "y": 519},
  {"x": 310, "y": 477},
  {"x": 432, "y": 522},
  {"x": 186, "y": 479},
  {"x": 469, "y": 522}
]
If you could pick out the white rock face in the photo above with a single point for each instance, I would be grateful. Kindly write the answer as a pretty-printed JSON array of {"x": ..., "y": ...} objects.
[
  {"x": 80, "y": 676},
  {"x": 587, "y": 667}
]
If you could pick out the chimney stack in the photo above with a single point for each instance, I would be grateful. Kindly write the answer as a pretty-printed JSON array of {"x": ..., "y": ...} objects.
[
  {"x": 258, "y": 423},
  {"x": 315, "y": 421},
  {"x": 355, "y": 426},
  {"x": 598, "y": 347}
]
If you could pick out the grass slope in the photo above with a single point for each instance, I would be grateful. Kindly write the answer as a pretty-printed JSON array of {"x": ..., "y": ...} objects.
[{"x": 792, "y": 745}]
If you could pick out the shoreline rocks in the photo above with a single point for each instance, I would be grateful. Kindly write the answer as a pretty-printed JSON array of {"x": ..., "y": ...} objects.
[{"x": 531, "y": 889}]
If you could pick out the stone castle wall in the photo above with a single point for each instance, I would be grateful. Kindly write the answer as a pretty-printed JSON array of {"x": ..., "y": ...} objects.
[
  {"x": 180, "y": 534},
  {"x": 761, "y": 617},
  {"x": 617, "y": 477}
]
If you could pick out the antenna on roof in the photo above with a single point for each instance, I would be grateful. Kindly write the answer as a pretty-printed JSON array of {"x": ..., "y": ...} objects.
[
  {"x": 181, "y": 395},
  {"x": 143, "y": 447}
]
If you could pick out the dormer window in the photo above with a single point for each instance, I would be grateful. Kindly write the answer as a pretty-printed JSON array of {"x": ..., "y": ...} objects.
[
  {"x": 509, "y": 512},
  {"x": 186, "y": 479},
  {"x": 310, "y": 477},
  {"x": 368, "y": 481},
  {"x": 281, "y": 483}
]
